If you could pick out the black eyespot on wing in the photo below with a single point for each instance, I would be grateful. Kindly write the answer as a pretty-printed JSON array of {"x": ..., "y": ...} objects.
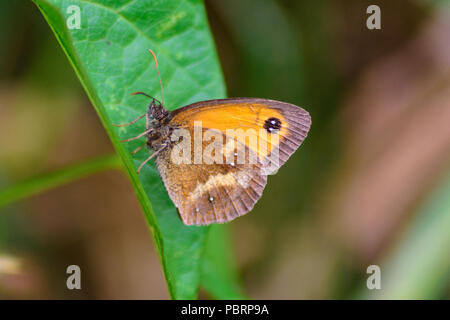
[{"x": 272, "y": 124}]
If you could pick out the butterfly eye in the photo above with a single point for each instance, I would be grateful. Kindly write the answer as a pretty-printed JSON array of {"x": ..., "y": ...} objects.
[{"x": 272, "y": 124}]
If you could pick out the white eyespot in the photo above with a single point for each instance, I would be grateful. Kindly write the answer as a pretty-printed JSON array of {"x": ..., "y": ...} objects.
[
  {"x": 232, "y": 164},
  {"x": 273, "y": 122},
  {"x": 270, "y": 129},
  {"x": 197, "y": 210},
  {"x": 236, "y": 154},
  {"x": 211, "y": 199}
]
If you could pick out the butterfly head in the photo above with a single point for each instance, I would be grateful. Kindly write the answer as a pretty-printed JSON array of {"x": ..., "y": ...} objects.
[{"x": 156, "y": 111}]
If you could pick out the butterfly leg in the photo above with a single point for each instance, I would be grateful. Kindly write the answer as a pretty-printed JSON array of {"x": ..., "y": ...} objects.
[
  {"x": 138, "y": 136},
  {"x": 138, "y": 149},
  {"x": 154, "y": 154},
  {"x": 130, "y": 123}
]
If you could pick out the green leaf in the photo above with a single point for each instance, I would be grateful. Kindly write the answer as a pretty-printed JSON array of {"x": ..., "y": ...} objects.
[
  {"x": 219, "y": 275},
  {"x": 109, "y": 55}
]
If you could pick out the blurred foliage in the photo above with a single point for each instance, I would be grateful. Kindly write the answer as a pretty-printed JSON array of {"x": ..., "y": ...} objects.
[
  {"x": 419, "y": 265},
  {"x": 337, "y": 206}
]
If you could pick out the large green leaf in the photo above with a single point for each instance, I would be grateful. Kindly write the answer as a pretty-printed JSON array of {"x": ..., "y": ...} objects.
[
  {"x": 219, "y": 276},
  {"x": 109, "y": 55}
]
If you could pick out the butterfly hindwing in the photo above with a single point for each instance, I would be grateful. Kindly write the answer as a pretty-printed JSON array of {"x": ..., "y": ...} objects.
[{"x": 209, "y": 192}]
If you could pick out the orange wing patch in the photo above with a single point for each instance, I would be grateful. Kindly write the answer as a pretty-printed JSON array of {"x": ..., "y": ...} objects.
[{"x": 243, "y": 122}]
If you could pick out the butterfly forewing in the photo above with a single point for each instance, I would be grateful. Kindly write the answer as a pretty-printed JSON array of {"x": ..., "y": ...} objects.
[{"x": 282, "y": 126}]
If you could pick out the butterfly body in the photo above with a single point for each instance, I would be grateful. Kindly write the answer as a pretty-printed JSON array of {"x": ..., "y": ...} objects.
[
  {"x": 223, "y": 171},
  {"x": 157, "y": 119}
]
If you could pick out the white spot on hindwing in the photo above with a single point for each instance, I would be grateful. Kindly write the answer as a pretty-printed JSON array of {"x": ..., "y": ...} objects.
[{"x": 220, "y": 180}]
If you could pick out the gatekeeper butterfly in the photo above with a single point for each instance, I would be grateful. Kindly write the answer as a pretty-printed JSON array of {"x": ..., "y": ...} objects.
[{"x": 228, "y": 147}]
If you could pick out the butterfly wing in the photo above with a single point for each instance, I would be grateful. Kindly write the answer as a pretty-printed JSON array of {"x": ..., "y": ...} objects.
[
  {"x": 282, "y": 126},
  {"x": 211, "y": 193},
  {"x": 208, "y": 192}
]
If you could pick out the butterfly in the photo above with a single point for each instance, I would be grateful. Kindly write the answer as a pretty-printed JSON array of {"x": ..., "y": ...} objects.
[{"x": 214, "y": 156}]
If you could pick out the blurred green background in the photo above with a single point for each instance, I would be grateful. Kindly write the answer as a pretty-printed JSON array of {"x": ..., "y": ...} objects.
[{"x": 370, "y": 185}]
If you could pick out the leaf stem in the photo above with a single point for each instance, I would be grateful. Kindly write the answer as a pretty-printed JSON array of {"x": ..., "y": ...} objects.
[{"x": 57, "y": 178}]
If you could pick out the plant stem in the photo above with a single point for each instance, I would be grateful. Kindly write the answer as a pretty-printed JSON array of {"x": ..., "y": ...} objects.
[{"x": 57, "y": 178}]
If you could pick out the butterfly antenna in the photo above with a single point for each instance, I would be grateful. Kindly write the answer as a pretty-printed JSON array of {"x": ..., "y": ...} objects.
[
  {"x": 159, "y": 76},
  {"x": 144, "y": 94}
]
